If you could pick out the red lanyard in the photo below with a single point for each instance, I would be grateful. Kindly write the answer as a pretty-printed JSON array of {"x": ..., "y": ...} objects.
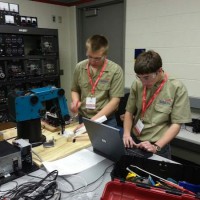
[
  {"x": 145, "y": 105},
  {"x": 98, "y": 78}
]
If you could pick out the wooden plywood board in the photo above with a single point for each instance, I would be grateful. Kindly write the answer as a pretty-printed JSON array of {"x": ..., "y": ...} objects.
[
  {"x": 7, "y": 125},
  {"x": 9, "y": 133},
  {"x": 63, "y": 147},
  {"x": 48, "y": 127}
]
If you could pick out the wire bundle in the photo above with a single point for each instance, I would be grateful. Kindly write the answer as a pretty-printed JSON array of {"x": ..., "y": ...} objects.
[
  {"x": 46, "y": 188},
  {"x": 49, "y": 187}
]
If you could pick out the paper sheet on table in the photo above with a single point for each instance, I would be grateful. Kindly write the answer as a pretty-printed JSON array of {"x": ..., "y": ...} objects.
[
  {"x": 70, "y": 133},
  {"x": 74, "y": 163}
]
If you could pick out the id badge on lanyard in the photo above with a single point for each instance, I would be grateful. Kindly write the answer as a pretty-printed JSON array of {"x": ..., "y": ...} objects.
[
  {"x": 91, "y": 103},
  {"x": 139, "y": 127}
]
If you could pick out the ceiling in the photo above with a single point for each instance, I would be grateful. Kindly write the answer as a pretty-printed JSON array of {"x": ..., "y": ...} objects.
[{"x": 64, "y": 2}]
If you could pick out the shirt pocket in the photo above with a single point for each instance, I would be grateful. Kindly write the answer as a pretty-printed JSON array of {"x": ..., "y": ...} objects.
[
  {"x": 103, "y": 86},
  {"x": 85, "y": 89},
  {"x": 162, "y": 114},
  {"x": 83, "y": 84}
]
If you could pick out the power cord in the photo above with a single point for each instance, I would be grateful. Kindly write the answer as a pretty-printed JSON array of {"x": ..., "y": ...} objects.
[
  {"x": 4, "y": 191},
  {"x": 83, "y": 194},
  {"x": 185, "y": 127},
  {"x": 37, "y": 155},
  {"x": 46, "y": 188},
  {"x": 87, "y": 193}
]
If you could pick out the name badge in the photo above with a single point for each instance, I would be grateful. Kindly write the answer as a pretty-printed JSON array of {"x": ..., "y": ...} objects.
[
  {"x": 139, "y": 126},
  {"x": 91, "y": 103}
]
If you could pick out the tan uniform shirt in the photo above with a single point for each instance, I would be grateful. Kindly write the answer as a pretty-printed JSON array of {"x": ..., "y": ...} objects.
[
  {"x": 170, "y": 106},
  {"x": 110, "y": 85}
]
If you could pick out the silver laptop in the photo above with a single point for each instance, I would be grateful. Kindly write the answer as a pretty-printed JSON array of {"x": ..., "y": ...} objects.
[{"x": 107, "y": 142}]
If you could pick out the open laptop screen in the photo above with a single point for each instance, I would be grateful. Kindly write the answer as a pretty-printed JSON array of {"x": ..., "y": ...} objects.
[{"x": 105, "y": 140}]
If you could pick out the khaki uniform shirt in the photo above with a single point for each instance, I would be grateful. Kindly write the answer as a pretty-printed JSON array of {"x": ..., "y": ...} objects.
[
  {"x": 170, "y": 106},
  {"x": 110, "y": 85}
]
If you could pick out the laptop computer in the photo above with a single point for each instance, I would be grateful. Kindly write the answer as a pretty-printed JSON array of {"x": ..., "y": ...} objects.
[{"x": 107, "y": 142}]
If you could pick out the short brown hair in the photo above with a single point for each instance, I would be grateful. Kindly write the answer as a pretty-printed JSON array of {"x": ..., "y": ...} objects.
[
  {"x": 96, "y": 42},
  {"x": 148, "y": 62}
]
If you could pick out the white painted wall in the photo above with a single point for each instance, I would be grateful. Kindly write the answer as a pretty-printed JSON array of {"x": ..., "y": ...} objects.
[
  {"x": 170, "y": 27},
  {"x": 66, "y": 31}
]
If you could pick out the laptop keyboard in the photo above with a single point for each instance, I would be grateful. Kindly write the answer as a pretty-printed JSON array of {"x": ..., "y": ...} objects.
[{"x": 138, "y": 152}]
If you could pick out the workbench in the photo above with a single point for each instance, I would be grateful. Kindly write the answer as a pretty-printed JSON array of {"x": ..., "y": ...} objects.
[
  {"x": 186, "y": 145},
  {"x": 62, "y": 148}
]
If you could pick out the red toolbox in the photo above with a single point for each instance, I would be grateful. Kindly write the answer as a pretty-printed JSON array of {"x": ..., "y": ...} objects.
[
  {"x": 116, "y": 190},
  {"x": 121, "y": 189}
]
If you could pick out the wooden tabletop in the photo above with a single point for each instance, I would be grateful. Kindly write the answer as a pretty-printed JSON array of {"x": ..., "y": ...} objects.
[{"x": 63, "y": 146}]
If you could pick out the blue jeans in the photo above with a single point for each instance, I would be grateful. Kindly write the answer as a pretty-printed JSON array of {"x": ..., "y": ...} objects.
[{"x": 111, "y": 121}]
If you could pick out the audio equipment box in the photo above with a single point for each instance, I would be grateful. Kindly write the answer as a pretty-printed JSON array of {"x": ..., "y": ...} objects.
[
  {"x": 10, "y": 159},
  {"x": 28, "y": 21},
  {"x": 11, "y": 45}
]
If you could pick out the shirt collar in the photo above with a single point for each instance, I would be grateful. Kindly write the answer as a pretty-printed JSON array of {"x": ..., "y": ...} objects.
[
  {"x": 160, "y": 81},
  {"x": 105, "y": 70}
]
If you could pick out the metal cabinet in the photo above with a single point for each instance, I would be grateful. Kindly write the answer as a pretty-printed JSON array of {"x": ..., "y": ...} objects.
[{"x": 29, "y": 58}]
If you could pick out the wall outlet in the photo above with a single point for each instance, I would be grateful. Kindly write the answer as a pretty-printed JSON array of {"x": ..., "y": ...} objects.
[
  {"x": 59, "y": 19},
  {"x": 53, "y": 18}
]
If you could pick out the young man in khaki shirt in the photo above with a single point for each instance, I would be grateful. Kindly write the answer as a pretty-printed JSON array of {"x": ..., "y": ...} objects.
[
  {"x": 157, "y": 106},
  {"x": 97, "y": 83}
]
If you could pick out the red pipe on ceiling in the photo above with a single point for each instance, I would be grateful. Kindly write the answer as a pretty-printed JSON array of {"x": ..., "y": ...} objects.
[{"x": 64, "y": 4}]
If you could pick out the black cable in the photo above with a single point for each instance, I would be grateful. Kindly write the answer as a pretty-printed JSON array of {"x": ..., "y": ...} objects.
[
  {"x": 35, "y": 190},
  {"x": 99, "y": 178},
  {"x": 13, "y": 188},
  {"x": 12, "y": 193},
  {"x": 89, "y": 183},
  {"x": 59, "y": 196},
  {"x": 33, "y": 176},
  {"x": 185, "y": 127},
  {"x": 72, "y": 186},
  {"x": 10, "y": 138},
  {"x": 99, "y": 184},
  {"x": 195, "y": 124},
  {"x": 195, "y": 129},
  {"x": 102, "y": 174},
  {"x": 25, "y": 189}
]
